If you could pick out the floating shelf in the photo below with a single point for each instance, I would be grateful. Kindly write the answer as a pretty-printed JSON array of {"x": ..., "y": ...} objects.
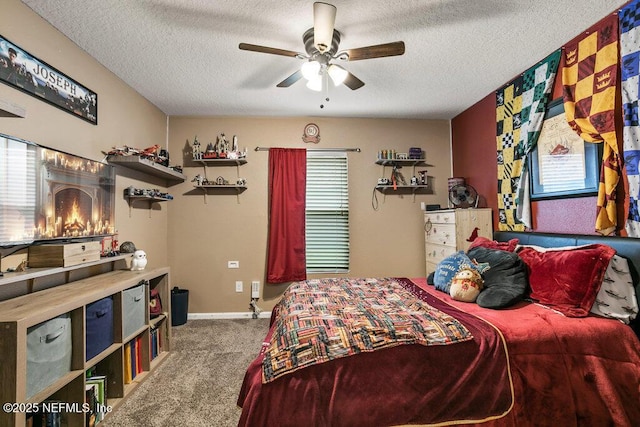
[
  {"x": 238, "y": 188},
  {"x": 404, "y": 189},
  {"x": 148, "y": 198},
  {"x": 223, "y": 162},
  {"x": 147, "y": 166},
  {"x": 402, "y": 162},
  {"x": 9, "y": 109}
]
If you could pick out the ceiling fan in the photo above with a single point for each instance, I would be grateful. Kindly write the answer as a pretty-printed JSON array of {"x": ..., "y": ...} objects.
[{"x": 321, "y": 45}]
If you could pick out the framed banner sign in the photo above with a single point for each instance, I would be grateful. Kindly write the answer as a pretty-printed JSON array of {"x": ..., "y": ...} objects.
[
  {"x": 563, "y": 164},
  {"x": 27, "y": 73}
]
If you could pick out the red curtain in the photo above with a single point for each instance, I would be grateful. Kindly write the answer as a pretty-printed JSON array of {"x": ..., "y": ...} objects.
[{"x": 286, "y": 259}]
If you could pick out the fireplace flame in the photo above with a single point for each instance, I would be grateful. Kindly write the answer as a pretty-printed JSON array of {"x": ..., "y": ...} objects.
[{"x": 74, "y": 221}]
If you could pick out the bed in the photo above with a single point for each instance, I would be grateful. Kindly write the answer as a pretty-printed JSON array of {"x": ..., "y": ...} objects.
[{"x": 525, "y": 364}]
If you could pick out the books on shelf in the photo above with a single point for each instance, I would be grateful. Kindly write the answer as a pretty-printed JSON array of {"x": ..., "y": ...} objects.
[
  {"x": 133, "y": 359},
  {"x": 98, "y": 384}
]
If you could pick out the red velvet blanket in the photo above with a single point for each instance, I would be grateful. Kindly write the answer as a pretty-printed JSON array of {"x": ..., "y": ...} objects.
[
  {"x": 565, "y": 372},
  {"x": 406, "y": 384}
]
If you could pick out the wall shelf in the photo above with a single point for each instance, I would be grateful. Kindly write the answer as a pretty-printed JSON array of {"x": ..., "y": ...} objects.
[
  {"x": 9, "y": 109},
  {"x": 149, "y": 167},
  {"x": 222, "y": 162},
  {"x": 404, "y": 189},
  {"x": 238, "y": 188},
  {"x": 402, "y": 162}
]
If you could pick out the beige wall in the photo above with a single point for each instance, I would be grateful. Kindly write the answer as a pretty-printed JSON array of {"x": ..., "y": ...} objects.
[
  {"x": 206, "y": 232},
  {"x": 194, "y": 235},
  {"x": 124, "y": 117}
]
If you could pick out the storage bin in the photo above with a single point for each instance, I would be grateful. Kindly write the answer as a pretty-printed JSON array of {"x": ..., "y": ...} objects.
[
  {"x": 133, "y": 309},
  {"x": 99, "y": 326},
  {"x": 49, "y": 349}
]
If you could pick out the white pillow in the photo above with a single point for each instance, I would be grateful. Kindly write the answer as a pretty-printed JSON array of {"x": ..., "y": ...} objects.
[{"x": 617, "y": 297}]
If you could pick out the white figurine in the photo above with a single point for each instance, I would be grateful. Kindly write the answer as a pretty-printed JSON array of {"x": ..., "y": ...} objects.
[{"x": 139, "y": 261}]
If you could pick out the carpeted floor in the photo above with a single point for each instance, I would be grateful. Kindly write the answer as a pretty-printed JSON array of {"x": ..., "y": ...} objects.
[{"x": 199, "y": 382}]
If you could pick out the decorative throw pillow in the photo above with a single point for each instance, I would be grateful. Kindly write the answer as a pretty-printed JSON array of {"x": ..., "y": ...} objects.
[
  {"x": 567, "y": 280},
  {"x": 449, "y": 267},
  {"x": 509, "y": 246},
  {"x": 466, "y": 285},
  {"x": 617, "y": 296},
  {"x": 505, "y": 282}
]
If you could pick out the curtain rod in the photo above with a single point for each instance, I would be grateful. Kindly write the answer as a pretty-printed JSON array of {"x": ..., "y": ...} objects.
[{"x": 315, "y": 149}]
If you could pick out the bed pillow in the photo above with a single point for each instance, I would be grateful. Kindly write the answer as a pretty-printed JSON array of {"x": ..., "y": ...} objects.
[
  {"x": 617, "y": 296},
  {"x": 509, "y": 246},
  {"x": 449, "y": 267},
  {"x": 505, "y": 282},
  {"x": 567, "y": 279}
]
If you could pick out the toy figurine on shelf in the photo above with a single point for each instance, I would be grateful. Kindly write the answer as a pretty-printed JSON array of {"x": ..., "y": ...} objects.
[
  {"x": 210, "y": 152},
  {"x": 200, "y": 180},
  {"x": 196, "y": 151},
  {"x": 139, "y": 261},
  {"x": 223, "y": 146}
]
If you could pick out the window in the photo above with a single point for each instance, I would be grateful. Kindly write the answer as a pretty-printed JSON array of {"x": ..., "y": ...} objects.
[
  {"x": 327, "y": 213},
  {"x": 18, "y": 167}
]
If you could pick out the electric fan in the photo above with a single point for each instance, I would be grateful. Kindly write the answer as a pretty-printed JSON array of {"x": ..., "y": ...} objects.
[{"x": 463, "y": 196}]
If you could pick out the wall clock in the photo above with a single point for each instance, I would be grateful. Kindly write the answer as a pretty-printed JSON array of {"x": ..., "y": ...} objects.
[{"x": 311, "y": 133}]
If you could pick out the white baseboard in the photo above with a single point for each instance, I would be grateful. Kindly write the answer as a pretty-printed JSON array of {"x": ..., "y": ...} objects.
[{"x": 237, "y": 315}]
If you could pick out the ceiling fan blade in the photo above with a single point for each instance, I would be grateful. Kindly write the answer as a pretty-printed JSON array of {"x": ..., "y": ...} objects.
[
  {"x": 324, "y": 19},
  {"x": 377, "y": 51},
  {"x": 291, "y": 79},
  {"x": 271, "y": 50},
  {"x": 352, "y": 82}
]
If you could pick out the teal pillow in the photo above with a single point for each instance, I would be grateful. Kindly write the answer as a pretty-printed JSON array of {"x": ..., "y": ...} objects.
[{"x": 450, "y": 266}]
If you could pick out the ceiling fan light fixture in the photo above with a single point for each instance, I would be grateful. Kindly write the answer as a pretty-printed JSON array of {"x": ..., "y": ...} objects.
[
  {"x": 315, "y": 83},
  {"x": 310, "y": 70},
  {"x": 324, "y": 19},
  {"x": 337, "y": 73}
]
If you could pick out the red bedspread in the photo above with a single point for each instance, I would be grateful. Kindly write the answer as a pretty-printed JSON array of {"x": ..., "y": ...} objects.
[
  {"x": 398, "y": 385},
  {"x": 564, "y": 372}
]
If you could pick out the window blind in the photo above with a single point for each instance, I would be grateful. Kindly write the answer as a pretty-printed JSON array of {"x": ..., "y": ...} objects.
[
  {"x": 17, "y": 191},
  {"x": 327, "y": 213}
]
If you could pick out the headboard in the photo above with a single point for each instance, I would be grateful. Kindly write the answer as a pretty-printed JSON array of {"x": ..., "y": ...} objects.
[{"x": 625, "y": 246}]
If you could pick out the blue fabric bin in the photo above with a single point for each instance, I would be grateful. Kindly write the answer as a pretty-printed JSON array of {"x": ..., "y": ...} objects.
[{"x": 99, "y": 326}]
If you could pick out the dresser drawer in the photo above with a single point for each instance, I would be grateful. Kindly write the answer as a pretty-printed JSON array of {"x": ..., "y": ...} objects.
[
  {"x": 441, "y": 234},
  {"x": 436, "y": 253},
  {"x": 441, "y": 217}
]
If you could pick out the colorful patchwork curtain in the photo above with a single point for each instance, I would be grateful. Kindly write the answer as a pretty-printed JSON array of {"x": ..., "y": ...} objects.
[
  {"x": 589, "y": 78},
  {"x": 520, "y": 107},
  {"x": 630, "y": 57},
  {"x": 286, "y": 258}
]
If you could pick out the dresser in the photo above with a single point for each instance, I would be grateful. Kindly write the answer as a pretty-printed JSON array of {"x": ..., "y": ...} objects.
[{"x": 446, "y": 232}]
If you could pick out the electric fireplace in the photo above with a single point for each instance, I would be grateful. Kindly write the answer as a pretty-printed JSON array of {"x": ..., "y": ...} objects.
[{"x": 46, "y": 194}]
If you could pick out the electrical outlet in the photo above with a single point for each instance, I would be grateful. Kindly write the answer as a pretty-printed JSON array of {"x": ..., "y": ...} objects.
[
  {"x": 239, "y": 285},
  {"x": 255, "y": 289},
  {"x": 233, "y": 264}
]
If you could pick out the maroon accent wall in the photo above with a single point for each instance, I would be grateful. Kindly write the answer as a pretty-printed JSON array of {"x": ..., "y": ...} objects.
[{"x": 474, "y": 149}]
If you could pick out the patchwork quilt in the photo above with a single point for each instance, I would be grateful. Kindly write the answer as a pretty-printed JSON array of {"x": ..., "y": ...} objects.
[{"x": 326, "y": 319}]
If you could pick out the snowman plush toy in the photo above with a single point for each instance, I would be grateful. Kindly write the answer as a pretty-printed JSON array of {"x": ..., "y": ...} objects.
[{"x": 139, "y": 261}]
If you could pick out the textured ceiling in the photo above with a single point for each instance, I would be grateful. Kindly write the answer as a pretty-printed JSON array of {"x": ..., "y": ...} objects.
[{"x": 183, "y": 56}]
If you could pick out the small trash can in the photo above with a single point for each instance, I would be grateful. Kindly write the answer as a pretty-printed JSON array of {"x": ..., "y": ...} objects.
[{"x": 179, "y": 306}]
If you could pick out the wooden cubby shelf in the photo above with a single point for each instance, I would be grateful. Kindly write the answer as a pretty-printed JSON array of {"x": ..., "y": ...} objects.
[{"x": 129, "y": 324}]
